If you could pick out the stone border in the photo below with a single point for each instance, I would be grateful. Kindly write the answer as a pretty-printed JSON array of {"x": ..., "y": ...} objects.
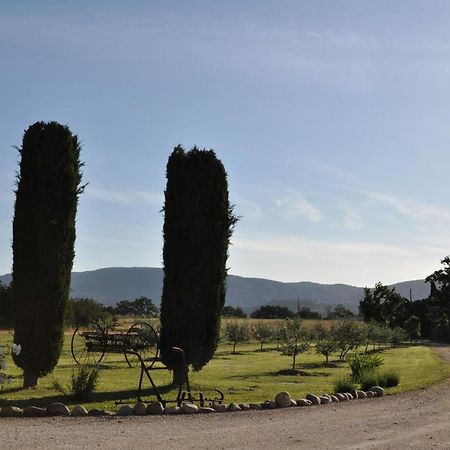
[{"x": 282, "y": 400}]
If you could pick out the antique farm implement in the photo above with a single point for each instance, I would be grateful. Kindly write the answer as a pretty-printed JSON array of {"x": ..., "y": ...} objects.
[{"x": 140, "y": 346}]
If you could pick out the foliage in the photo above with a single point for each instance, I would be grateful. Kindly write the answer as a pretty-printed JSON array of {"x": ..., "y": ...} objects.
[
  {"x": 294, "y": 340},
  {"x": 81, "y": 311},
  {"x": 198, "y": 224},
  {"x": 48, "y": 187},
  {"x": 83, "y": 382},
  {"x": 383, "y": 305},
  {"x": 262, "y": 332},
  {"x": 141, "y": 306},
  {"x": 233, "y": 311},
  {"x": 14, "y": 349},
  {"x": 369, "y": 379},
  {"x": 307, "y": 313},
  {"x": 363, "y": 364},
  {"x": 6, "y": 306},
  {"x": 347, "y": 335},
  {"x": 383, "y": 379},
  {"x": 272, "y": 312},
  {"x": 389, "y": 379},
  {"x": 341, "y": 312},
  {"x": 326, "y": 347},
  {"x": 344, "y": 384},
  {"x": 412, "y": 327},
  {"x": 237, "y": 332}
]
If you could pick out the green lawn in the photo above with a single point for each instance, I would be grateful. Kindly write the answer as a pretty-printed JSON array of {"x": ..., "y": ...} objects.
[{"x": 249, "y": 375}]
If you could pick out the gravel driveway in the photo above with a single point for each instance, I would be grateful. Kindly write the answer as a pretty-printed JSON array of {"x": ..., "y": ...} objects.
[{"x": 419, "y": 420}]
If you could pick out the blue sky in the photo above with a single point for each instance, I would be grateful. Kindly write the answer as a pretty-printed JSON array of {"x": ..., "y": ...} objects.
[{"x": 331, "y": 118}]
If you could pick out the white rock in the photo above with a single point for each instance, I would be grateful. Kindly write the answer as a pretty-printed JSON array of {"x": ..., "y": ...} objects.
[
  {"x": 58, "y": 409},
  {"x": 34, "y": 411},
  {"x": 314, "y": 399},
  {"x": 304, "y": 402},
  {"x": 140, "y": 409},
  {"x": 155, "y": 408},
  {"x": 219, "y": 407},
  {"x": 189, "y": 408},
  {"x": 283, "y": 399},
  {"x": 125, "y": 410},
  {"x": 172, "y": 410},
  {"x": 232, "y": 407},
  {"x": 378, "y": 390},
  {"x": 79, "y": 411}
]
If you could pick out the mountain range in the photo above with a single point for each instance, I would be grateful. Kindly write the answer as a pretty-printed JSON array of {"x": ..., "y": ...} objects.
[{"x": 110, "y": 285}]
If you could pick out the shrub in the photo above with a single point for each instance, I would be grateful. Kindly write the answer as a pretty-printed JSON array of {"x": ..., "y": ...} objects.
[
  {"x": 389, "y": 379},
  {"x": 344, "y": 385},
  {"x": 83, "y": 383},
  {"x": 369, "y": 379},
  {"x": 363, "y": 364}
]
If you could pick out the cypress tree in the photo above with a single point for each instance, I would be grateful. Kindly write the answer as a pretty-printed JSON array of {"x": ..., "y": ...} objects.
[
  {"x": 198, "y": 223},
  {"x": 48, "y": 185}
]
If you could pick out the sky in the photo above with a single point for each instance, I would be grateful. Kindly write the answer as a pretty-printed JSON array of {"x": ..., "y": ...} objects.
[{"x": 332, "y": 119}]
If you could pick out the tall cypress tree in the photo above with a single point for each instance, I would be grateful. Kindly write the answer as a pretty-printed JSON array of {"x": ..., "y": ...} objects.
[
  {"x": 198, "y": 223},
  {"x": 48, "y": 186}
]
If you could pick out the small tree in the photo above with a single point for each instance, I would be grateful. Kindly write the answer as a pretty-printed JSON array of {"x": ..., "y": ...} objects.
[
  {"x": 237, "y": 333},
  {"x": 326, "y": 347},
  {"x": 272, "y": 312},
  {"x": 294, "y": 340},
  {"x": 47, "y": 192},
  {"x": 412, "y": 327},
  {"x": 347, "y": 335},
  {"x": 233, "y": 311},
  {"x": 262, "y": 332}
]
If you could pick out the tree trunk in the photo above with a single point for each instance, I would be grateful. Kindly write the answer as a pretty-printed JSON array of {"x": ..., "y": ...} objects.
[
  {"x": 234, "y": 347},
  {"x": 261, "y": 345},
  {"x": 326, "y": 359},
  {"x": 30, "y": 380},
  {"x": 293, "y": 362}
]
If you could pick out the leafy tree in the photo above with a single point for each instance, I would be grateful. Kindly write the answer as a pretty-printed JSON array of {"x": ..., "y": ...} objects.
[
  {"x": 141, "y": 306},
  {"x": 198, "y": 223},
  {"x": 326, "y": 347},
  {"x": 307, "y": 313},
  {"x": 48, "y": 186},
  {"x": 341, "y": 312},
  {"x": 383, "y": 305},
  {"x": 294, "y": 340},
  {"x": 237, "y": 333},
  {"x": 412, "y": 327},
  {"x": 81, "y": 311},
  {"x": 438, "y": 305},
  {"x": 347, "y": 335},
  {"x": 272, "y": 312},
  {"x": 262, "y": 332},
  {"x": 231, "y": 311}
]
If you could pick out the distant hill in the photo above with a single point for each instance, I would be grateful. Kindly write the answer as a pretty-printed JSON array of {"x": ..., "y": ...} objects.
[{"x": 113, "y": 284}]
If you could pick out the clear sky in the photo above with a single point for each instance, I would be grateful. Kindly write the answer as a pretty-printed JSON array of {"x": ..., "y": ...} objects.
[{"x": 332, "y": 119}]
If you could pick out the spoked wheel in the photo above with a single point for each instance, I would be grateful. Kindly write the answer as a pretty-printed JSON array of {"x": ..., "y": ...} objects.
[
  {"x": 88, "y": 344},
  {"x": 142, "y": 339}
]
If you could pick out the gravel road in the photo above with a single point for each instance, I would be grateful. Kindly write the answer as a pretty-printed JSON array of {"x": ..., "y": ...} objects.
[{"x": 418, "y": 420}]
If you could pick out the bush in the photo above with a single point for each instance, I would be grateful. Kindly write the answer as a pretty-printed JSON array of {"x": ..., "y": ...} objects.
[
  {"x": 363, "y": 364},
  {"x": 344, "y": 385},
  {"x": 369, "y": 379},
  {"x": 84, "y": 381},
  {"x": 389, "y": 379}
]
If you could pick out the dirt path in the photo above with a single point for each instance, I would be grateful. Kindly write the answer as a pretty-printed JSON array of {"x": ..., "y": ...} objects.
[{"x": 418, "y": 420}]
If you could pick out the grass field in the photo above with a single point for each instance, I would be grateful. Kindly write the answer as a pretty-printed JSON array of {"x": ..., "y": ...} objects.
[{"x": 249, "y": 375}]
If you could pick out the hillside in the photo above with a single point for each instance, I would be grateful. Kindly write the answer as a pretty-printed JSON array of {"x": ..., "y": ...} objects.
[{"x": 110, "y": 285}]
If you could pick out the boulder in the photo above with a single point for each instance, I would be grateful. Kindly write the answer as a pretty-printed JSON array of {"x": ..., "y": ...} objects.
[
  {"x": 283, "y": 399},
  {"x": 254, "y": 406},
  {"x": 125, "y": 410},
  {"x": 293, "y": 402},
  {"x": 268, "y": 404},
  {"x": 206, "y": 410},
  {"x": 349, "y": 396},
  {"x": 189, "y": 408},
  {"x": 79, "y": 411},
  {"x": 172, "y": 410},
  {"x": 155, "y": 408},
  {"x": 232, "y": 407},
  {"x": 334, "y": 398},
  {"x": 219, "y": 407},
  {"x": 244, "y": 406},
  {"x": 378, "y": 390},
  {"x": 58, "y": 409},
  {"x": 140, "y": 409},
  {"x": 360, "y": 394},
  {"x": 34, "y": 411},
  {"x": 370, "y": 394},
  {"x": 324, "y": 400},
  {"x": 304, "y": 402},
  {"x": 11, "y": 411},
  {"x": 342, "y": 397},
  {"x": 314, "y": 399}
]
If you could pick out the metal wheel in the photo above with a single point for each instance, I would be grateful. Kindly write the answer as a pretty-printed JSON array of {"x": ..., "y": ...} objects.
[
  {"x": 142, "y": 339},
  {"x": 88, "y": 344}
]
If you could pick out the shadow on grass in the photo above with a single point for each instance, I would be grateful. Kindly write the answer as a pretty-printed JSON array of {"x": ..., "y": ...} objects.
[{"x": 97, "y": 397}]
